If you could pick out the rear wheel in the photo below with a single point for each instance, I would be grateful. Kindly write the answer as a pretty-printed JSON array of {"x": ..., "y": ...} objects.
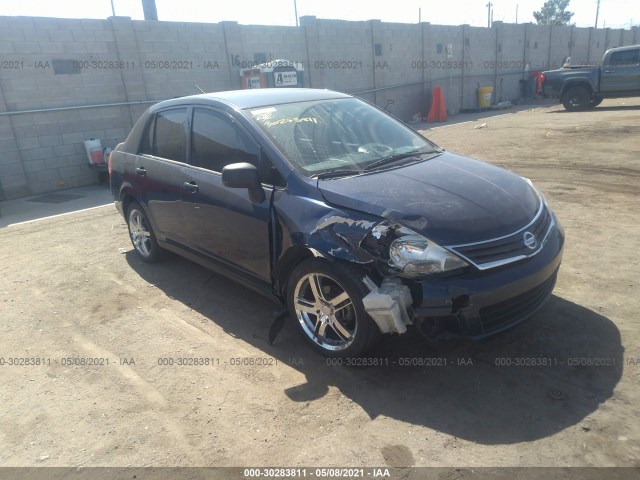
[
  {"x": 595, "y": 102},
  {"x": 325, "y": 302},
  {"x": 141, "y": 234},
  {"x": 576, "y": 98}
]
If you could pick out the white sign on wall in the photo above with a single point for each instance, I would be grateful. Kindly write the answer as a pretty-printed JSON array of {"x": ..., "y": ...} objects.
[
  {"x": 285, "y": 79},
  {"x": 254, "y": 82}
]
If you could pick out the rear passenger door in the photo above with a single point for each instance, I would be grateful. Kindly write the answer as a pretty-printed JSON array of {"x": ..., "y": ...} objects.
[
  {"x": 223, "y": 223},
  {"x": 160, "y": 171},
  {"x": 623, "y": 72}
]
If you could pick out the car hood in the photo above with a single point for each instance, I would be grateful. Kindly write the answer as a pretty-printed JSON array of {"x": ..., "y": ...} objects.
[{"x": 450, "y": 199}]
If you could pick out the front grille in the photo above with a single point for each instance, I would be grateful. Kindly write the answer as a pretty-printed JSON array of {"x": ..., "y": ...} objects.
[
  {"x": 511, "y": 248},
  {"x": 516, "y": 309}
]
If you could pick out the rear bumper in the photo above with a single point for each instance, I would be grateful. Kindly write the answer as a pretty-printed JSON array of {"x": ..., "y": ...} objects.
[{"x": 485, "y": 303}]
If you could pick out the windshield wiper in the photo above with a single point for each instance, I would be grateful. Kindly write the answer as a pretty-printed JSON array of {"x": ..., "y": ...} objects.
[
  {"x": 400, "y": 156},
  {"x": 335, "y": 173}
]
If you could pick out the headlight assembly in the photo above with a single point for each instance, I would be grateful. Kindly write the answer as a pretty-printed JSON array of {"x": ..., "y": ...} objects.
[{"x": 414, "y": 255}]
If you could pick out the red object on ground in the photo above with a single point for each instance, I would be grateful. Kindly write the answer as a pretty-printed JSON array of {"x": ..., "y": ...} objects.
[
  {"x": 97, "y": 157},
  {"x": 438, "y": 110},
  {"x": 539, "y": 76}
]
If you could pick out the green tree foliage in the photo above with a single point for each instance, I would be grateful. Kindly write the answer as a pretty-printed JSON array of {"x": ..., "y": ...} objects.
[{"x": 554, "y": 12}]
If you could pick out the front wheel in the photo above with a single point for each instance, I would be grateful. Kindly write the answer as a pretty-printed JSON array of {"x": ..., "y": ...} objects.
[
  {"x": 325, "y": 302},
  {"x": 576, "y": 98}
]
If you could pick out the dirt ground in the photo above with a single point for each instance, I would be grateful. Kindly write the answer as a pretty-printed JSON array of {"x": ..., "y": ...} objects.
[{"x": 71, "y": 289}]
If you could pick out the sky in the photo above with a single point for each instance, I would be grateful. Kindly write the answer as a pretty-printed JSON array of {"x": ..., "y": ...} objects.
[{"x": 613, "y": 13}]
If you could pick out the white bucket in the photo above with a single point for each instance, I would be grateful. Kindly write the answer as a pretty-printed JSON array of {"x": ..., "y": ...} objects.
[{"x": 94, "y": 151}]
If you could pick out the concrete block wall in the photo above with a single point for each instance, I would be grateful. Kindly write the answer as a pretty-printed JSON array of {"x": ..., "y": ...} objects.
[
  {"x": 580, "y": 44},
  {"x": 477, "y": 66},
  {"x": 48, "y": 138},
  {"x": 439, "y": 58},
  {"x": 249, "y": 45},
  {"x": 396, "y": 59},
  {"x": 175, "y": 57},
  {"x": 340, "y": 54},
  {"x": 64, "y": 81},
  {"x": 510, "y": 61},
  {"x": 13, "y": 179}
]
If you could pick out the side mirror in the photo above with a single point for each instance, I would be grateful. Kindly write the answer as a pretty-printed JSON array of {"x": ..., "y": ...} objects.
[{"x": 244, "y": 175}]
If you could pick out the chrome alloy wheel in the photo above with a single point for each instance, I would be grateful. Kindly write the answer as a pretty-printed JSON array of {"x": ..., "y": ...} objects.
[
  {"x": 140, "y": 232},
  {"x": 325, "y": 311}
]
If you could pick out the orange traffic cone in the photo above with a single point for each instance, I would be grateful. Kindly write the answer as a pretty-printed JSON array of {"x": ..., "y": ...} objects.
[{"x": 438, "y": 110}]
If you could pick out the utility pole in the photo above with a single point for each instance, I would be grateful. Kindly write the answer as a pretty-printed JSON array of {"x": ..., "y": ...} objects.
[
  {"x": 113, "y": 10},
  {"x": 295, "y": 9},
  {"x": 597, "y": 12},
  {"x": 149, "y": 9},
  {"x": 516, "y": 13},
  {"x": 489, "y": 5},
  {"x": 419, "y": 15}
]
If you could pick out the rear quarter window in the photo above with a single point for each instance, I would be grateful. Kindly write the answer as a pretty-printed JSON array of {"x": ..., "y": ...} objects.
[
  {"x": 146, "y": 141},
  {"x": 170, "y": 134}
]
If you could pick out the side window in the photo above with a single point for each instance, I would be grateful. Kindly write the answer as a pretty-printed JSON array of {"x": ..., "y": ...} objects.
[
  {"x": 217, "y": 142},
  {"x": 170, "y": 140},
  {"x": 146, "y": 144},
  {"x": 627, "y": 57}
]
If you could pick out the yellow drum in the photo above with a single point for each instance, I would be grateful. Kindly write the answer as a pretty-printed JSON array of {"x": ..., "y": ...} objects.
[{"x": 484, "y": 97}]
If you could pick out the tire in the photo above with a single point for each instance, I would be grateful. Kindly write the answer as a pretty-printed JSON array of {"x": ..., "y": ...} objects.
[
  {"x": 325, "y": 302},
  {"x": 576, "y": 98},
  {"x": 141, "y": 234},
  {"x": 595, "y": 102}
]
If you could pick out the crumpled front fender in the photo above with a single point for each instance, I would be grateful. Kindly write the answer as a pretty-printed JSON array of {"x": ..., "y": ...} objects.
[{"x": 341, "y": 238}]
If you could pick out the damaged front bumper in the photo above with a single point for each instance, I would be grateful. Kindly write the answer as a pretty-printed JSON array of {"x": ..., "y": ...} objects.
[
  {"x": 389, "y": 305},
  {"x": 477, "y": 304}
]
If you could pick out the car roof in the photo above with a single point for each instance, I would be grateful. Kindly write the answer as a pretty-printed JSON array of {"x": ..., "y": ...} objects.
[{"x": 255, "y": 98}]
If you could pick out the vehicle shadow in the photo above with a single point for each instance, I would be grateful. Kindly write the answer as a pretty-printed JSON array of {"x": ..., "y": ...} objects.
[
  {"x": 616, "y": 108},
  {"x": 540, "y": 378}
]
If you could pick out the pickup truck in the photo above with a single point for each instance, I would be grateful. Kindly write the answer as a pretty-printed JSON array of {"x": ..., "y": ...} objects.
[{"x": 580, "y": 88}]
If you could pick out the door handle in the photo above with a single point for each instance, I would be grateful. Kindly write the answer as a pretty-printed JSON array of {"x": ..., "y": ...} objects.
[
  {"x": 191, "y": 187},
  {"x": 141, "y": 171}
]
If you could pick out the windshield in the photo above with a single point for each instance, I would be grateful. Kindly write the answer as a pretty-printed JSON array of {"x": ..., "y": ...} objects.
[{"x": 339, "y": 136}]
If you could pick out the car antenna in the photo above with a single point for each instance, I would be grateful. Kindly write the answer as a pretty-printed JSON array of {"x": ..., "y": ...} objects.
[{"x": 201, "y": 90}]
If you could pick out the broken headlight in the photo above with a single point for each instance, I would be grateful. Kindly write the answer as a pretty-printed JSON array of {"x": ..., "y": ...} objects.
[{"x": 414, "y": 255}]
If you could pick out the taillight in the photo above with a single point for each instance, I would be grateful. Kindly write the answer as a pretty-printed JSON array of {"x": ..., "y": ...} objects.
[{"x": 540, "y": 85}]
